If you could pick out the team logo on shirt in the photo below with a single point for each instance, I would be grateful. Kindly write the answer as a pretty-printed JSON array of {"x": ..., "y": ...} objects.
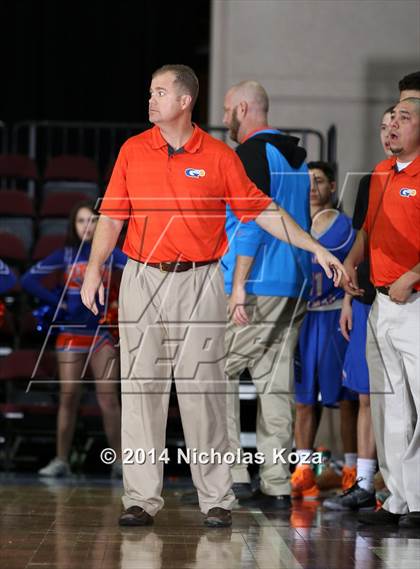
[
  {"x": 195, "y": 173},
  {"x": 407, "y": 192}
]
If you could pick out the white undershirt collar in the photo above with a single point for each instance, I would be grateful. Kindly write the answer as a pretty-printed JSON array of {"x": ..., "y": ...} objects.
[{"x": 402, "y": 165}]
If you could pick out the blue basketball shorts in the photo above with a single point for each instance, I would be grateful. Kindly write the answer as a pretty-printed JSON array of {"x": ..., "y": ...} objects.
[{"x": 320, "y": 359}]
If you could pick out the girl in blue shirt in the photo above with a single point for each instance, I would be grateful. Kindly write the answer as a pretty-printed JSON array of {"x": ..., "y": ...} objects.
[{"x": 81, "y": 340}]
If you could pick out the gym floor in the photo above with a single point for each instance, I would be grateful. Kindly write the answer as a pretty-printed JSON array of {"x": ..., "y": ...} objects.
[{"x": 73, "y": 524}]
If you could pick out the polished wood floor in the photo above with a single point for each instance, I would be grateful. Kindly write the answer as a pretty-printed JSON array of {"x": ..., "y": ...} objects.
[{"x": 73, "y": 524}]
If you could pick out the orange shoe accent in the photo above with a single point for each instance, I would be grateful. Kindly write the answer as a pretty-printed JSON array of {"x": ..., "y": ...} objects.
[
  {"x": 349, "y": 477},
  {"x": 304, "y": 484}
]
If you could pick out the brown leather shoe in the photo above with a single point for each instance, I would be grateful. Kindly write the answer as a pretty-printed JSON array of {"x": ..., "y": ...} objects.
[
  {"x": 135, "y": 516},
  {"x": 218, "y": 518}
]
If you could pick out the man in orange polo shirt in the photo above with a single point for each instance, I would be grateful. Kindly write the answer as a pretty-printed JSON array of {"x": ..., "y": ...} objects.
[
  {"x": 391, "y": 233},
  {"x": 173, "y": 183}
]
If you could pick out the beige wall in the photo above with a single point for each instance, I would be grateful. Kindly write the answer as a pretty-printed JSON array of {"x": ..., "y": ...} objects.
[{"x": 321, "y": 61}]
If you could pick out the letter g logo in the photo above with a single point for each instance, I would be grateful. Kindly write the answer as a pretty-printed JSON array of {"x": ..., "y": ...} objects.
[
  {"x": 407, "y": 192},
  {"x": 195, "y": 173}
]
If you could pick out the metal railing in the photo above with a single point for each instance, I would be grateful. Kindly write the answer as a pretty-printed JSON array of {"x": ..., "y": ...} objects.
[{"x": 101, "y": 141}]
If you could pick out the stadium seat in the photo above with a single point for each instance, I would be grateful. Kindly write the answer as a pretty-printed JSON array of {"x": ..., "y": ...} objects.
[
  {"x": 23, "y": 364},
  {"x": 71, "y": 174},
  {"x": 89, "y": 189},
  {"x": 26, "y": 413},
  {"x": 16, "y": 170},
  {"x": 53, "y": 226},
  {"x": 20, "y": 227},
  {"x": 60, "y": 204},
  {"x": 55, "y": 212},
  {"x": 12, "y": 248},
  {"x": 15, "y": 203},
  {"x": 71, "y": 167},
  {"x": 17, "y": 216},
  {"x": 46, "y": 244}
]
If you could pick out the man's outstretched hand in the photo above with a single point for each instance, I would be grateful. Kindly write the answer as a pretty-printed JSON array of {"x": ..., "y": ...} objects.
[
  {"x": 92, "y": 284},
  {"x": 332, "y": 266}
]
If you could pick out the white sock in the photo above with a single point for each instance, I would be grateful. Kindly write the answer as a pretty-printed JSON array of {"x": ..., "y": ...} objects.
[
  {"x": 366, "y": 468},
  {"x": 304, "y": 455},
  {"x": 350, "y": 458}
]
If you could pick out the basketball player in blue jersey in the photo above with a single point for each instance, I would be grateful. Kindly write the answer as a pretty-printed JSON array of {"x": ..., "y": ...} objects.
[
  {"x": 322, "y": 347},
  {"x": 80, "y": 336}
]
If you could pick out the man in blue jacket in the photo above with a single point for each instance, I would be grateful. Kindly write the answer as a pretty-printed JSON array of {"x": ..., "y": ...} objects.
[{"x": 268, "y": 283}]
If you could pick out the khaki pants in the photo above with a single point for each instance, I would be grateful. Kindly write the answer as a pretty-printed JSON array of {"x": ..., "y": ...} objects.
[
  {"x": 173, "y": 324},
  {"x": 393, "y": 356},
  {"x": 266, "y": 347}
]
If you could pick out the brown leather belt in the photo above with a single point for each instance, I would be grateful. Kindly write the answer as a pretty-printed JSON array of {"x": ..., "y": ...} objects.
[
  {"x": 383, "y": 289},
  {"x": 179, "y": 266}
]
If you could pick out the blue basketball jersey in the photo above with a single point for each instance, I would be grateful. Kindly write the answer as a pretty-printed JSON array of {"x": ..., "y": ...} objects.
[{"x": 338, "y": 238}]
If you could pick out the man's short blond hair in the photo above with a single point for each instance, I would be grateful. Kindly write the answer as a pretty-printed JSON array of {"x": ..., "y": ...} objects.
[{"x": 185, "y": 77}]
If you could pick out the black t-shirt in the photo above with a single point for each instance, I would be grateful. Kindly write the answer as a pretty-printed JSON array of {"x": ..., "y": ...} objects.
[{"x": 359, "y": 215}]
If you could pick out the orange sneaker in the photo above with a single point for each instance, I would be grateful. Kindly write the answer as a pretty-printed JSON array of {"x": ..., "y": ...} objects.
[
  {"x": 349, "y": 477},
  {"x": 304, "y": 484}
]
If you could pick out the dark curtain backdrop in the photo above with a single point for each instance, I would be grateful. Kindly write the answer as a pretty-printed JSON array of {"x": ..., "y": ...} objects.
[{"x": 92, "y": 60}]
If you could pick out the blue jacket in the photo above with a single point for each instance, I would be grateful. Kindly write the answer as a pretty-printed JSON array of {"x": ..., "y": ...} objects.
[{"x": 276, "y": 164}]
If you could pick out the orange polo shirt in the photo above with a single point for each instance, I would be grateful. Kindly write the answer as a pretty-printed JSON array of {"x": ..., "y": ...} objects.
[
  {"x": 176, "y": 204},
  {"x": 393, "y": 221}
]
